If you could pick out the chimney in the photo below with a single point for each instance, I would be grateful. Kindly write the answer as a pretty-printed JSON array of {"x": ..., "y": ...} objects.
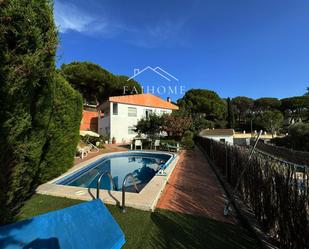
[
  {"x": 168, "y": 99},
  {"x": 136, "y": 71}
]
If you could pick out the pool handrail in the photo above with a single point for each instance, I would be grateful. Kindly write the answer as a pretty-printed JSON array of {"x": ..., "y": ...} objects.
[
  {"x": 99, "y": 182},
  {"x": 123, "y": 206}
]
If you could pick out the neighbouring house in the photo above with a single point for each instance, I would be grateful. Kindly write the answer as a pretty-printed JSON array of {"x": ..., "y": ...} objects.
[
  {"x": 89, "y": 120},
  {"x": 119, "y": 114},
  {"x": 221, "y": 135}
]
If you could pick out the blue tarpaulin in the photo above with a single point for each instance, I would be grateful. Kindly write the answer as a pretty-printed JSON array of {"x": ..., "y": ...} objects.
[{"x": 85, "y": 226}]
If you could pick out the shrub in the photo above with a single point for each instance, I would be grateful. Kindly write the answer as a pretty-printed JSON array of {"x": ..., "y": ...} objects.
[
  {"x": 63, "y": 134},
  {"x": 271, "y": 120},
  {"x": 37, "y": 127},
  {"x": 298, "y": 138},
  {"x": 151, "y": 125},
  {"x": 176, "y": 124},
  {"x": 167, "y": 140},
  {"x": 187, "y": 140},
  {"x": 27, "y": 48}
]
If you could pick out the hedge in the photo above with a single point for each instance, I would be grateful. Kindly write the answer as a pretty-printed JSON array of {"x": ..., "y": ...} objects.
[
  {"x": 63, "y": 134},
  {"x": 277, "y": 192},
  {"x": 32, "y": 123}
]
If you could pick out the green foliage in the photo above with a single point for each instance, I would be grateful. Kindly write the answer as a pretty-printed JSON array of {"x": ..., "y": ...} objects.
[
  {"x": 205, "y": 107},
  {"x": 160, "y": 229},
  {"x": 88, "y": 78},
  {"x": 299, "y": 130},
  {"x": 104, "y": 137},
  {"x": 151, "y": 125},
  {"x": 271, "y": 120},
  {"x": 125, "y": 86},
  {"x": 243, "y": 106},
  {"x": 27, "y": 49},
  {"x": 176, "y": 124},
  {"x": 97, "y": 84},
  {"x": 297, "y": 106},
  {"x": 242, "y": 103},
  {"x": 187, "y": 140},
  {"x": 230, "y": 114},
  {"x": 298, "y": 138},
  {"x": 203, "y": 102},
  {"x": 28, "y": 86},
  {"x": 63, "y": 133},
  {"x": 263, "y": 104},
  {"x": 201, "y": 123},
  {"x": 168, "y": 141}
]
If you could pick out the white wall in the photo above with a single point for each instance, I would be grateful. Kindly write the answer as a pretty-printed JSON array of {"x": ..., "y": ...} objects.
[
  {"x": 104, "y": 124},
  {"x": 120, "y": 123},
  {"x": 228, "y": 139}
]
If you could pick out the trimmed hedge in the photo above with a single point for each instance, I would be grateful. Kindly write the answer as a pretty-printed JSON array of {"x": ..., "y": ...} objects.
[
  {"x": 32, "y": 96},
  {"x": 63, "y": 133}
]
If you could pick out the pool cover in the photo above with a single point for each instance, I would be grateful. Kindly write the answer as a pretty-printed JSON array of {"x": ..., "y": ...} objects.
[{"x": 85, "y": 226}]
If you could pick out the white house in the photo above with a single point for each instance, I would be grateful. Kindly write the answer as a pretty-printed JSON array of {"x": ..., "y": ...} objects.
[
  {"x": 119, "y": 114},
  {"x": 221, "y": 135}
]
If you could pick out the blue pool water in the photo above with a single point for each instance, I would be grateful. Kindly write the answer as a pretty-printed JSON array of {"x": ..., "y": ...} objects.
[{"x": 142, "y": 165}]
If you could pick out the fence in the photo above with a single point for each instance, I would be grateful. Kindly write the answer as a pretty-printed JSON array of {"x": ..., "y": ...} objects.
[
  {"x": 294, "y": 156},
  {"x": 276, "y": 191}
]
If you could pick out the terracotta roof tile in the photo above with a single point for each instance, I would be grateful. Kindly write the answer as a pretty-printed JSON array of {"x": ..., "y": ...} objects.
[{"x": 145, "y": 99}]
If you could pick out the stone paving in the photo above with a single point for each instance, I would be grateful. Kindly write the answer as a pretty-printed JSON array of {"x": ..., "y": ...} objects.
[
  {"x": 107, "y": 149},
  {"x": 193, "y": 188}
]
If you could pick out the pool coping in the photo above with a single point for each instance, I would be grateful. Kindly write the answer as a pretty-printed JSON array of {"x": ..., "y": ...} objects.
[{"x": 144, "y": 200}]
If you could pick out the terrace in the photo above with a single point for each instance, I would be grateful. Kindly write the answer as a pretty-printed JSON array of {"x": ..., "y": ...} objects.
[{"x": 189, "y": 213}]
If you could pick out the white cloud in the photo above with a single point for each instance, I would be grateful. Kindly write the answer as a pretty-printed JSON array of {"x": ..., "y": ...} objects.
[
  {"x": 162, "y": 34},
  {"x": 69, "y": 17},
  {"x": 94, "y": 21}
]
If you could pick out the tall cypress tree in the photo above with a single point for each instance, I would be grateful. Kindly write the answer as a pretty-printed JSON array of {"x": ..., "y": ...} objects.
[
  {"x": 230, "y": 115},
  {"x": 28, "y": 41}
]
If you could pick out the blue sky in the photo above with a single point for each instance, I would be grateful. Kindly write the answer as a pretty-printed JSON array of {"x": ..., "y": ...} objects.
[{"x": 253, "y": 48}]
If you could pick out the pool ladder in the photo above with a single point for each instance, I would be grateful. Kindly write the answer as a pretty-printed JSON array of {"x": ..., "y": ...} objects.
[
  {"x": 99, "y": 182},
  {"x": 130, "y": 175}
]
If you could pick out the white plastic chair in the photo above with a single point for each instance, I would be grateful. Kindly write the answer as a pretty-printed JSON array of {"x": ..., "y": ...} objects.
[
  {"x": 138, "y": 143},
  {"x": 156, "y": 144}
]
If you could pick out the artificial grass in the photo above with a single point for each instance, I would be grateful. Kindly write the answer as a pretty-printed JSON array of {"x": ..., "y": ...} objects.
[{"x": 159, "y": 229}]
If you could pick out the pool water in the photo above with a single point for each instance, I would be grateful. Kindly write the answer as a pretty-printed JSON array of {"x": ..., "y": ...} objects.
[{"x": 143, "y": 166}]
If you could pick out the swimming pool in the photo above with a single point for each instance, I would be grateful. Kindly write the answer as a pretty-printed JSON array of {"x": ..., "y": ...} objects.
[{"x": 143, "y": 165}]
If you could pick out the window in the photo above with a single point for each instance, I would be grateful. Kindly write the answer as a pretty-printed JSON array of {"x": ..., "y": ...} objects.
[
  {"x": 115, "y": 108},
  {"x": 148, "y": 112},
  {"x": 131, "y": 130},
  {"x": 222, "y": 140},
  {"x": 132, "y": 112}
]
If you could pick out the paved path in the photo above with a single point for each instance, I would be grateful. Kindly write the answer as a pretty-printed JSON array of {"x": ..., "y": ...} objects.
[
  {"x": 107, "y": 149},
  {"x": 193, "y": 188}
]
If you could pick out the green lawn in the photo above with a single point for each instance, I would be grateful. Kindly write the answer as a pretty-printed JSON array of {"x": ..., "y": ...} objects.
[{"x": 160, "y": 229}]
